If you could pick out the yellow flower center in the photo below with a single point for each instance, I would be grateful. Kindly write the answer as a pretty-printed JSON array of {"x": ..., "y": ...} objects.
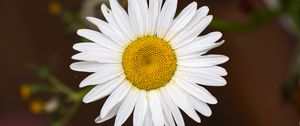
[{"x": 149, "y": 63}]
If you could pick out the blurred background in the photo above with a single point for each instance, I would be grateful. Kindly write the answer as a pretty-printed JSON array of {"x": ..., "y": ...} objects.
[{"x": 261, "y": 36}]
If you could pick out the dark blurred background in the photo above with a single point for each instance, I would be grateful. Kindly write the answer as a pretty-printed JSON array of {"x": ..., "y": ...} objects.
[{"x": 258, "y": 68}]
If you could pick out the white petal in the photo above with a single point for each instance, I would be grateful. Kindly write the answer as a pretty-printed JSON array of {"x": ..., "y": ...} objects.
[
  {"x": 116, "y": 97},
  {"x": 198, "y": 49},
  {"x": 156, "y": 108},
  {"x": 103, "y": 90},
  {"x": 167, "y": 113},
  {"x": 188, "y": 57},
  {"x": 177, "y": 95},
  {"x": 109, "y": 17},
  {"x": 154, "y": 9},
  {"x": 113, "y": 24},
  {"x": 188, "y": 35},
  {"x": 100, "y": 77},
  {"x": 127, "y": 107},
  {"x": 88, "y": 47},
  {"x": 182, "y": 20},
  {"x": 217, "y": 70},
  {"x": 201, "y": 12},
  {"x": 140, "y": 109},
  {"x": 145, "y": 16},
  {"x": 98, "y": 38},
  {"x": 200, "y": 70},
  {"x": 84, "y": 66},
  {"x": 204, "y": 61},
  {"x": 201, "y": 43},
  {"x": 204, "y": 78},
  {"x": 135, "y": 17},
  {"x": 196, "y": 90},
  {"x": 106, "y": 29},
  {"x": 165, "y": 17},
  {"x": 166, "y": 122},
  {"x": 173, "y": 108},
  {"x": 200, "y": 106},
  {"x": 148, "y": 117},
  {"x": 101, "y": 57},
  {"x": 110, "y": 115},
  {"x": 132, "y": 18},
  {"x": 122, "y": 19}
]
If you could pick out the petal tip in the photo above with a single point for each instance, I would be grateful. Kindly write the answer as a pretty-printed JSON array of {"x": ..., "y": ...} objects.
[
  {"x": 208, "y": 114},
  {"x": 214, "y": 101},
  {"x": 80, "y": 32},
  {"x": 205, "y": 8},
  {"x": 89, "y": 18},
  {"x": 81, "y": 85},
  {"x": 86, "y": 100},
  {"x": 226, "y": 58},
  {"x": 98, "y": 119},
  {"x": 72, "y": 66},
  {"x": 209, "y": 17}
]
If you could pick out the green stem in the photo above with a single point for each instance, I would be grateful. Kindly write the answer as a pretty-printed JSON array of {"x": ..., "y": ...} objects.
[
  {"x": 79, "y": 95},
  {"x": 60, "y": 86},
  {"x": 44, "y": 73}
]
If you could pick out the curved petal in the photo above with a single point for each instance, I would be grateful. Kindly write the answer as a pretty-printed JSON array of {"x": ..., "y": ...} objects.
[
  {"x": 165, "y": 17},
  {"x": 148, "y": 117},
  {"x": 196, "y": 90},
  {"x": 200, "y": 106},
  {"x": 116, "y": 97},
  {"x": 126, "y": 107},
  {"x": 188, "y": 57},
  {"x": 87, "y": 66},
  {"x": 177, "y": 95},
  {"x": 113, "y": 24},
  {"x": 188, "y": 35},
  {"x": 145, "y": 16},
  {"x": 100, "y": 77},
  {"x": 201, "y": 12},
  {"x": 98, "y": 38},
  {"x": 135, "y": 17},
  {"x": 167, "y": 113},
  {"x": 202, "y": 48},
  {"x": 201, "y": 43},
  {"x": 208, "y": 70},
  {"x": 204, "y": 61},
  {"x": 140, "y": 109},
  {"x": 122, "y": 19},
  {"x": 204, "y": 78},
  {"x": 181, "y": 20},
  {"x": 110, "y": 115},
  {"x": 156, "y": 108},
  {"x": 88, "y": 47},
  {"x": 109, "y": 17},
  {"x": 101, "y": 57},
  {"x": 173, "y": 108},
  {"x": 106, "y": 29},
  {"x": 154, "y": 10},
  {"x": 103, "y": 90}
]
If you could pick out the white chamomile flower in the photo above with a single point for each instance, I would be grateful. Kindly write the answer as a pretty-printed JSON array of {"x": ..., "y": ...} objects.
[{"x": 150, "y": 63}]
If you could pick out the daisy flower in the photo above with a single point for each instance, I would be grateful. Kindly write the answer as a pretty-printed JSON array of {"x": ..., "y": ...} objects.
[{"x": 150, "y": 63}]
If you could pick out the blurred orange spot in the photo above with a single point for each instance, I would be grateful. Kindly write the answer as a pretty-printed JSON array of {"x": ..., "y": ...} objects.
[
  {"x": 36, "y": 106},
  {"x": 25, "y": 91},
  {"x": 54, "y": 7}
]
